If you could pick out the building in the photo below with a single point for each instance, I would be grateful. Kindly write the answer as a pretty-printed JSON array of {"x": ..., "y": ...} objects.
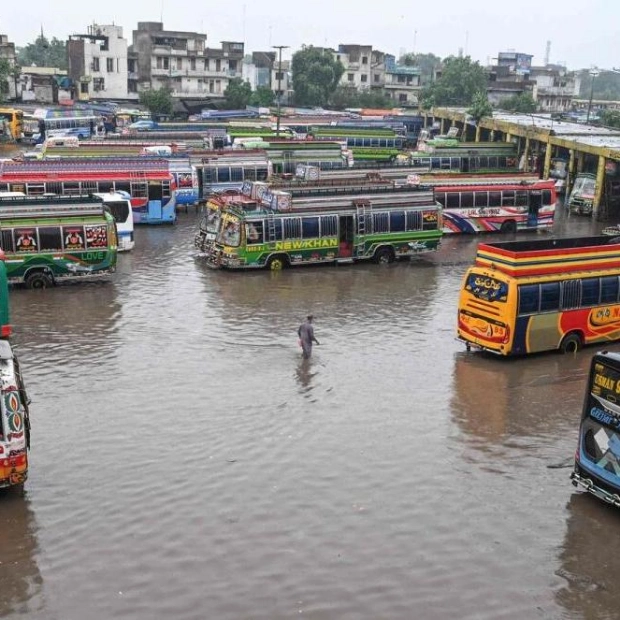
[
  {"x": 44, "y": 85},
  {"x": 510, "y": 77},
  {"x": 98, "y": 63},
  {"x": 7, "y": 52},
  {"x": 182, "y": 62},
  {"x": 402, "y": 83},
  {"x": 556, "y": 88}
]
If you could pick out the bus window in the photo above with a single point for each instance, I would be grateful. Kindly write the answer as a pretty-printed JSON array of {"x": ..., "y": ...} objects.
[
  {"x": 292, "y": 228},
  {"x": 521, "y": 198},
  {"x": 609, "y": 290},
  {"x": 590, "y": 291},
  {"x": 550, "y": 297},
  {"x": 453, "y": 199},
  {"x": 467, "y": 200},
  {"x": 528, "y": 298},
  {"x": 254, "y": 232},
  {"x": 380, "y": 222},
  {"x": 495, "y": 199},
  {"x": 481, "y": 199},
  {"x": 397, "y": 221},
  {"x": 310, "y": 227},
  {"x": 50, "y": 238},
  {"x": 261, "y": 174},
  {"x": 155, "y": 190},
  {"x": 7, "y": 241},
  {"x": 329, "y": 226},
  {"x": 236, "y": 174},
  {"x": 508, "y": 198},
  {"x": 414, "y": 220},
  {"x": 223, "y": 175}
]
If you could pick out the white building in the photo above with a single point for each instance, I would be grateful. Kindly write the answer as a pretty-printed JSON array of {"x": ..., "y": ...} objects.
[{"x": 98, "y": 63}]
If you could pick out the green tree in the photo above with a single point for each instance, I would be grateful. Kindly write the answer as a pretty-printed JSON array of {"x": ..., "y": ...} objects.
[
  {"x": 262, "y": 97},
  {"x": 610, "y": 118},
  {"x": 44, "y": 53},
  {"x": 157, "y": 102},
  {"x": 460, "y": 80},
  {"x": 5, "y": 74},
  {"x": 523, "y": 102},
  {"x": 426, "y": 63},
  {"x": 480, "y": 106},
  {"x": 238, "y": 94},
  {"x": 316, "y": 74}
]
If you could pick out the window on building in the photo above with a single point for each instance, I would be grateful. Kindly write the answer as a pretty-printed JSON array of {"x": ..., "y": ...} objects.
[
  {"x": 179, "y": 64},
  {"x": 192, "y": 64},
  {"x": 376, "y": 77},
  {"x": 159, "y": 62},
  {"x": 218, "y": 65},
  {"x": 109, "y": 62},
  {"x": 279, "y": 75},
  {"x": 211, "y": 86},
  {"x": 95, "y": 63},
  {"x": 351, "y": 77},
  {"x": 84, "y": 88},
  {"x": 206, "y": 67},
  {"x": 402, "y": 98},
  {"x": 218, "y": 86},
  {"x": 131, "y": 65},
  {"x": 364, "y": 60},
  {"x": 132, "y": 86},
  {"x": 402, "y": 79},
  {"x": 364, "y": 78},
  {"x": 98, "y": 84},
  {"x": 232, "y": 65}
]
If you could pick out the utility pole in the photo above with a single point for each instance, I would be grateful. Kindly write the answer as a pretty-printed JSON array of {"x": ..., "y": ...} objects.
[
  {"x": 279, "y": 93},
  {"x": 594, "y": 72}
]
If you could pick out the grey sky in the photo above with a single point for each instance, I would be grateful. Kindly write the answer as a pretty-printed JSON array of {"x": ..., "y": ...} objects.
[{"x": 581, "y": 34}]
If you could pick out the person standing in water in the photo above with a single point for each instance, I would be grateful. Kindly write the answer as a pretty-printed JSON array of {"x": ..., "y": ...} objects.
[{"x": 306, "y": 336}]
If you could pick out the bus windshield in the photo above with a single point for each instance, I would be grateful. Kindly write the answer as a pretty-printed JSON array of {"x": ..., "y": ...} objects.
[
  {"x": 230, "y": 232},
  {"x": 213, "y": 220},
  {"x": 584, "y": 186},
  {"x": 119, "y": 209}
]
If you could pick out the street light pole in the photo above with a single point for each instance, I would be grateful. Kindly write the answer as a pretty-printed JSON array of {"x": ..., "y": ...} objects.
[
  {"x": 593, "y": 73},
  {"x": 279, "y": 95}
]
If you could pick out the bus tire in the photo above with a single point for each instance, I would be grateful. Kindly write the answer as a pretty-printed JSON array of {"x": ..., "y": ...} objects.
[
  {"x": 571, "y": 343},
  {"x": 384, "y": 255},
  {"x": 38, "y": 280},
  {"x": 508, "y": 228},
  {"x": 277, "y": 262}
]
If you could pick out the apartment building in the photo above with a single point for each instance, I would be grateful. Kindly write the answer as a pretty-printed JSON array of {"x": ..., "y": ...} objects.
[
  {"x": 181, "y": 61},
  {"x": 7, "y": 52},
  {"x": 98, "y": 63}
]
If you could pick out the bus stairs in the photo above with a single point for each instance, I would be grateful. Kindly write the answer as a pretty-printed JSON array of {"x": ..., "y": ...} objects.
[{"x": 271, "y": 228}]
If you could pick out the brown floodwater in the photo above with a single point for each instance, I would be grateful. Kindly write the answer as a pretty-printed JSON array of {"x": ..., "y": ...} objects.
[{"x": 187, "y": 464}]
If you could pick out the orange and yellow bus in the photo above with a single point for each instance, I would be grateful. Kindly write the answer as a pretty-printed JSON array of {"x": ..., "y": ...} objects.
[
  {"x": 524, "y": 297},
  {"x": 15, "y": 121}
]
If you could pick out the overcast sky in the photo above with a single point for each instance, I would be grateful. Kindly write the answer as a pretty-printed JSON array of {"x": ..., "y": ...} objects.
[{"x": 582, "y": 34}]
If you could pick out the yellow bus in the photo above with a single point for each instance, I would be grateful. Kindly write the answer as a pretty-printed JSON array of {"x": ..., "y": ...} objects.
[
  {"x": 524, "y": 297},
  {"x": 15, "y": 120}
]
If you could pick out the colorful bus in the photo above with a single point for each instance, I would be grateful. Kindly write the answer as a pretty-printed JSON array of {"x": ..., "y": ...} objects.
[
  {"x": 597, "y": 459},
  {"x": 230, "y": 171},
  {"x": 50, "y": 239},
  {"x": 119, "y": 205},
  {"x": 15, "y": 121},
  {"x": 271, "y": 229},
  {"x": 14, "y": 420},
  {"x": 147, "y": 180},
  {"x": 524, "y": 297},
  {"x": 581, "y": 197},
  {"x": 505, "y": 206}
]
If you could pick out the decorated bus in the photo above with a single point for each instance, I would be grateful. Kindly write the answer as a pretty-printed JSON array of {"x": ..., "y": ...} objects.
[
  {"x": 530, "y": 296},
  {"x": 148, "y": 181},
  {"x": 262, "y": 227},
  {"x": 52, "y": 239}
]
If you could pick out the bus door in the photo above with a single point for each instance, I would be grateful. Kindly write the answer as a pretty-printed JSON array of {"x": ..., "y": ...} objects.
[
  {"x": 346, "y": 235},
  {"x": 534, "y": 206}
]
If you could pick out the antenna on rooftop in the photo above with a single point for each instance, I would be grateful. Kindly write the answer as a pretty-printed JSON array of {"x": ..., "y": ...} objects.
[{"x": 547, "y": 53}]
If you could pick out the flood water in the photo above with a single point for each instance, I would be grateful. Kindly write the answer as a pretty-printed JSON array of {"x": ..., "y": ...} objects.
[{"x": 187, "y": 464}]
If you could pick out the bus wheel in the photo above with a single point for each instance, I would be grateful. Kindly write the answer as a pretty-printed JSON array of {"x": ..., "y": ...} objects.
[
  {"x": 276, "y": 263},
  {"x": 38, "y": 279},
  {"x": 508, "y": 228},
  {"x": 571, "y": 343},
  {"x": 384, "y": 255}
]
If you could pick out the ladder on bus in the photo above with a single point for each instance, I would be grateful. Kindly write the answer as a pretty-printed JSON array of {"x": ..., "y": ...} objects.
[
  {"x": 271, "y": 228},
  {"x": 138, "y": 184},
  {"x": 363, "y": 209}
]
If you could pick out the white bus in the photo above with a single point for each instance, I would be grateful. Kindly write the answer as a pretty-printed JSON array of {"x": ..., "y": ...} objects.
[{"x": 119, "y": 204}]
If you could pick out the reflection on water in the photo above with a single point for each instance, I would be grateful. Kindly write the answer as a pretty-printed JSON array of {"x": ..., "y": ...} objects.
[
  {"x": 589, "y": 559},
  {"x": 20, "y": 579}
]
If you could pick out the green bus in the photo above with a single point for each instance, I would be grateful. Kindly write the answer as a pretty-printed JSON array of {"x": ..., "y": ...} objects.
[
  {"x": 260, "y": 227},
  {"x": 48, "y": 239},
  {"x": 5, "y": 321}
]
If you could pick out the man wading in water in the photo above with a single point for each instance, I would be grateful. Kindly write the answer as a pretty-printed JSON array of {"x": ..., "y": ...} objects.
[{"x": 306, "y": 336}]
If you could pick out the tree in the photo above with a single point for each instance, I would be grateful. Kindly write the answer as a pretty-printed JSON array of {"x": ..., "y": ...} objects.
[
  {"x": 262, "y": 97},
  {"x": 610, "y": 118},
  {"x": 44, "y": 53},
  {"x": 523, "y": 102},
  {"x": 480, "y": 106},
  {"x": 316, "y": 74},
  {"x": 460, "y": 80},
  {"x": 157, "y": 102},
  {"x": 426, "y": 63},
  {"x": 238, "y": 94},
  {"x": 5, "y": 73}
]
